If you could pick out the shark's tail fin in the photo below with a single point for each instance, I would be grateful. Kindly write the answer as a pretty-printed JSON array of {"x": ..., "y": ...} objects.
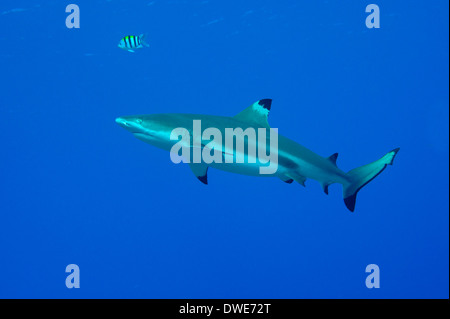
[{"x": 360, "y": 176}]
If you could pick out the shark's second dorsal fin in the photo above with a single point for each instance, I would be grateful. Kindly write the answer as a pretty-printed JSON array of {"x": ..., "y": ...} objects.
[
  {"x": 256, "y": 113},
  {"x": 333, "y": 158}
]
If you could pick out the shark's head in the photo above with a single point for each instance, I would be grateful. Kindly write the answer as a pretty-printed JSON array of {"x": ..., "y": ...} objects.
[
  {"x": 152, "y": 129},
  {"x": 132, "y": 124}
]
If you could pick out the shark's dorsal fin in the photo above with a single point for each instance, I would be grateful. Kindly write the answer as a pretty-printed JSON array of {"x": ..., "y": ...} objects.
[
  {"x": 256, "y": 113},
  {"x": 333, "y": 158}
]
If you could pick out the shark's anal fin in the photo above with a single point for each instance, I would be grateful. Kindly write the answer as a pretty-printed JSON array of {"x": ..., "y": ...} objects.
[
  {"x": 332, "y": 159},
  {"x": 200, "y": 170},
  {"x": 256, "y": 113},
  {"x": 325, "y": 187}
]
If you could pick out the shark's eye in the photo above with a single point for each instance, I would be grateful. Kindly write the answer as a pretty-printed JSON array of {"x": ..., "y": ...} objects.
[{"x": 138, "y": 121}]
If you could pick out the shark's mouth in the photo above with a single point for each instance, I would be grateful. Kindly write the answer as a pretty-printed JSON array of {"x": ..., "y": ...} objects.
[{"x": 140, "y": 134}]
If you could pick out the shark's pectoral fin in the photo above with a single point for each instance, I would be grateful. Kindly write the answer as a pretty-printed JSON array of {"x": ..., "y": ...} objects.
[
  {"x": 201, "y": 171},
  {"x": 298, "y": 178},
  {"x": 286, "y": 179}
]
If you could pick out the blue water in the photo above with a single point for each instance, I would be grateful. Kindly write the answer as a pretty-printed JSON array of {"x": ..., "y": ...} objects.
[{"x": 78, "y": 189}]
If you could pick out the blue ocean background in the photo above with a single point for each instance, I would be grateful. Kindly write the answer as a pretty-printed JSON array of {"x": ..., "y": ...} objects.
[{"x": 78, "y": 189}]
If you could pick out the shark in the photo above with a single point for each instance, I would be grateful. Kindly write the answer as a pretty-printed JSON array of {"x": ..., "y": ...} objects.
[{"x": 294, "y": 161}]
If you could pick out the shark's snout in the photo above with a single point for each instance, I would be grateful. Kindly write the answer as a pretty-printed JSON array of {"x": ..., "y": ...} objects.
[
  {"x": 132, "y": 124},
  {"x": 122, "y": 122},
  {"x": 129, "y": 124}
]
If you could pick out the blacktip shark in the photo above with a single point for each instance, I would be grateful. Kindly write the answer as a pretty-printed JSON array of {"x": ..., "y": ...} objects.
[{"x": 294, "y": 162}]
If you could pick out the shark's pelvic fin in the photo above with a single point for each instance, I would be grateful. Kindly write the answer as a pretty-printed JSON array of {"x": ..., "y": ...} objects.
[
  {"x": 286, "y": 179},
  {"x": 256, "y": 113},
  {"x": 361, "y": 176},
  {"x": 201, "y": 171},
  {"x": 298, "y": 178}
]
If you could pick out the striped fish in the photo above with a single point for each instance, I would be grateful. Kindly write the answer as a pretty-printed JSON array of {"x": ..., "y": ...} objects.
[{"x": 132, "y": 42}]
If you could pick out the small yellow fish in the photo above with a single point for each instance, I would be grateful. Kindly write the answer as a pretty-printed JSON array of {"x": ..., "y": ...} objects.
[{"x": 132, "y": 42}]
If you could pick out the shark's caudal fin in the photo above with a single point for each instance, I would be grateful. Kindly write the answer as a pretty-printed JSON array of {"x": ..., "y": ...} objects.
[{"x": 360, "y": 176}]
